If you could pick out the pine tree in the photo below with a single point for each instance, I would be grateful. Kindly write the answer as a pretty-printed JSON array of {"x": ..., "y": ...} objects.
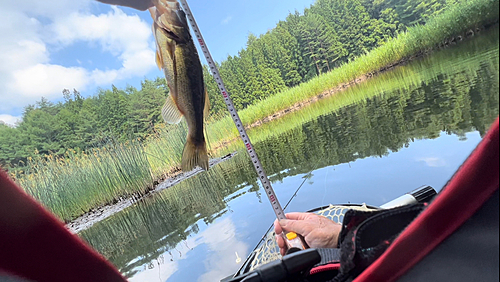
[
  {"x": 283, "y": 51},
  {"x": 217, "y": 105},
  {"x": 306, "y": 68},
  {"x": 322, "y": 43},
  {"x": 144, "y": 106},
  {"x": 112, "y": 112}
]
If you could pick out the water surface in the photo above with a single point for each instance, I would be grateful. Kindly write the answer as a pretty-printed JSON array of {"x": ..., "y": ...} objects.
[{"x": 406, "y": 128}]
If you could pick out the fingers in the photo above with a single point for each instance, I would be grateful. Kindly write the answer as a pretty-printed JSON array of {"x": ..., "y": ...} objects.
[
  {"x": 279, "y": 237},
  {"x": 296, "y": 222},
  {"x": 281, "y": 244},
  {"x": 279, "y": 231},
  {"x": 301, "y": 227},
  {"x": 318, "y": 231},
  {"x": 298, "y": 215},
  {"x": 277, "y": 227},
  {"x": 293, "y": 216}
]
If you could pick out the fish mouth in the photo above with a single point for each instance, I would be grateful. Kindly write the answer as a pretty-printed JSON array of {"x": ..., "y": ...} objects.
[{"x": 170, "y": 19}]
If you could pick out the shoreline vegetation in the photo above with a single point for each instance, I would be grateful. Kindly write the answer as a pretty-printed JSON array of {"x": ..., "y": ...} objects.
[
  {"x": 80, "y": 182},
  {"x": 417, "y": 41}
]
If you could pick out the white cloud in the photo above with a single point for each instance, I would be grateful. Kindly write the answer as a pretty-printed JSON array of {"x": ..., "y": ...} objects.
[
  {"x": 31, "y": 30},
  {"x": 47, "y": 80},
  {"x": 221, "y": 261},
  {"x": 433, "y": 161},
  {"x": 225, "y": 249},
  {"x": 25, "y": 53},
  {"x": 227, "y": 20},
  {"x": 101, "y": 77},
  {"x": 115, "y": 31},
  {"x": 166, "y": 264},
  {"x": 165, "y": 270},
  {"x": 10, "y": 120},
  {"x": 55, "y": 8},
  {"x": 126, "y": 37}
]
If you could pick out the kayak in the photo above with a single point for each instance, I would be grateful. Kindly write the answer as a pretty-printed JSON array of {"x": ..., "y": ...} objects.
[{"x": 267, "y": 250}]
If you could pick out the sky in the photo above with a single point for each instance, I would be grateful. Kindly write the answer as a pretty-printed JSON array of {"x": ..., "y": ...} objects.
[{"x": 46, "y": 47}]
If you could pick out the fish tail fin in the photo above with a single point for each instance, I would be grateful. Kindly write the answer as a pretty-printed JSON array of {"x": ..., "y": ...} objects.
[{"x": 194, "y": 155}]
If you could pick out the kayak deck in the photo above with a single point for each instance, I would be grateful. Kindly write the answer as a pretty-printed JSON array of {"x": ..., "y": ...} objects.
[{"x": 268, "y": 251}]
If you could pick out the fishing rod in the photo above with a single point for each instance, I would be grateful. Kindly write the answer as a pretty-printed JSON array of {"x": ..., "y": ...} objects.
[{"x": 292, "y": 239}]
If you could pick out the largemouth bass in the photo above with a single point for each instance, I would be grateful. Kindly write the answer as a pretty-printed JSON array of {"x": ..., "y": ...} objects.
[{"x": 177, "y": 56}]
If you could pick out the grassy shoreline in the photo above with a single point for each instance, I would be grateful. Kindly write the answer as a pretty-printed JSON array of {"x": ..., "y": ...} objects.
[
  {"x": 417, "y": 40},
  {"x": 82, "y": 182}
]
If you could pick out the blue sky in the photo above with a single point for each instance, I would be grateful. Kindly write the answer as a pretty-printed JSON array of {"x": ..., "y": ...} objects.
[{"x": 87, "y": 45}]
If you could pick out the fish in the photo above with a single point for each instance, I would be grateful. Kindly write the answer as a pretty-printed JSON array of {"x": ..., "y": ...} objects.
[{"x": 177, "y": 56}]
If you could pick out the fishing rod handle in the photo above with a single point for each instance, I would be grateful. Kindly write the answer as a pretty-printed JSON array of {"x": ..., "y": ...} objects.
[{"x": 294, "y": 242}]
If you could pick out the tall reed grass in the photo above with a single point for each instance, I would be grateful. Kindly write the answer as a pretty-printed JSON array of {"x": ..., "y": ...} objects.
[
  {"x": 80, "y": 182},
  {"x": 74, "y": 185}
]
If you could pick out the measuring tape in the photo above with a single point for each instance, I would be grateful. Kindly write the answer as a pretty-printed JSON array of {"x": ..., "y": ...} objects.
[{"x": 293, "y": 241}]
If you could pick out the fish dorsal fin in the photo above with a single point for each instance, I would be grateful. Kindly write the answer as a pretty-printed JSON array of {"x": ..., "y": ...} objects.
[
  {"x": 206, "y": 110},
  {"x": 170, "y": 112}
]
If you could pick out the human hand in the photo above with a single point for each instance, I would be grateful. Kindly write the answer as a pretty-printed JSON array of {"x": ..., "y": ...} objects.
[{"x": 318, "y": 231}]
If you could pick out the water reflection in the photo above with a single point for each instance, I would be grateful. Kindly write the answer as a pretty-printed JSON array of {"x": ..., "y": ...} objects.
[
  {"x": 223, "y": 247},
  {"x": 405, "y": 128}
]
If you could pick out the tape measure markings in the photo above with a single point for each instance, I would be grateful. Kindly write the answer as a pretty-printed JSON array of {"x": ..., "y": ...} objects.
[{"x": 278, "y": 210}]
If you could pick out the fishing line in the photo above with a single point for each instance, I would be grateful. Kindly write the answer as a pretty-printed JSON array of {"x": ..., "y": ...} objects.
[
  {"x": 324, "y": 187},
  {"x": 291, "y": 199},
  {"x": 306, "y": 177}
]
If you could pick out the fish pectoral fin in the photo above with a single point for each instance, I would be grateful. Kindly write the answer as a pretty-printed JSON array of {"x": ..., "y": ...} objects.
[
  {"x": 206, "y": 110},
  {"x": 170, "y": 48},
  {"x": 170, "y": 112},
  {"x": 159, "y": 61}
]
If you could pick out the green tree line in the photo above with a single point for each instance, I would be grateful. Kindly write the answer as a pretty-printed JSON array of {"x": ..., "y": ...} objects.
[
  {"x": 326, "y": 35},
  {"x": 80, "y": 123}
]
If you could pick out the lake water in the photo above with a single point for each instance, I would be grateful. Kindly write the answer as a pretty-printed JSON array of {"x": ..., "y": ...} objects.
[{"x": 410, "y": 127}]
